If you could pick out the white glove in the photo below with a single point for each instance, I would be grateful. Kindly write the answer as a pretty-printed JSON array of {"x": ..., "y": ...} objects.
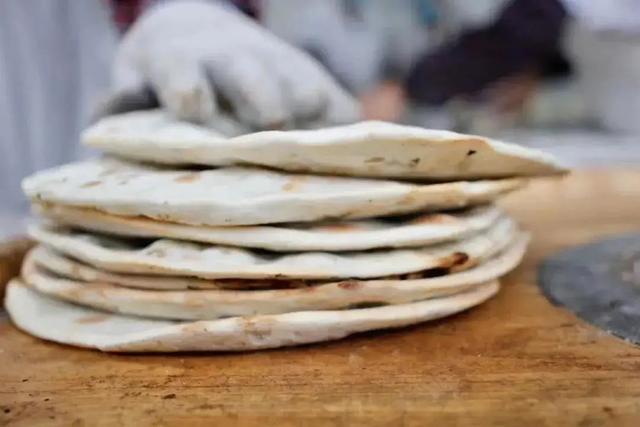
[{"x": 201, "y": 58}]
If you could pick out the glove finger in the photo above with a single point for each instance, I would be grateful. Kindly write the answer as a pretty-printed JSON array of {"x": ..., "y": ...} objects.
[
  {"x": 302, "y": 92},
  {"x": 126, "y": 78},
  {"x": 254, "y": 92},
  {"x": 332, "y": 103},
  {"x": 341, "y": 106},
  {"x": 183, "y": 88}
]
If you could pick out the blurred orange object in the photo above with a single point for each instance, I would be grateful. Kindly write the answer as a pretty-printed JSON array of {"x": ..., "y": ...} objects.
[{"x": 387, "y": 102}]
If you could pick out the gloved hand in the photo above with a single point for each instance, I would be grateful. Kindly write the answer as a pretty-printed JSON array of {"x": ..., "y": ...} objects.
[{"x": 202, "y": 60}]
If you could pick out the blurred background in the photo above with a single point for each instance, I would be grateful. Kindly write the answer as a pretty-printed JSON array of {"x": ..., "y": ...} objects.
[{"x": 562, "y": 75}]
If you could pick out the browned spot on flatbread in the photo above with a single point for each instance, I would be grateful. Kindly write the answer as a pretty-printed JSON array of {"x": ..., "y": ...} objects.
[
  {"x": 294, "y": 183},
  {"x": 194, "y": 299},
  {"x": 434, "y": 219},
  {"x": 350, "y": 285},
  {"x": 454, "y": 260},
  {"x": 241, "y": 284},
  {"x": 366, "y": 304},
  {"x": 411, "y": 197},
  {"x": 191, "y": 327},
  {"x": 472, "y": 148},
  {"x": 90, "y": 184},
  {"x": 339, "y": 227},
  {"x": 374, "y": 160},
  {"x": 459, "y": 258},
  {"x": 187, "y": 177},
  {"x": 164, "y": 217},
  {"x": 259, "y": 327},
  {"x": 93, "y": 318},
  {"x": 430, "y": 273}
]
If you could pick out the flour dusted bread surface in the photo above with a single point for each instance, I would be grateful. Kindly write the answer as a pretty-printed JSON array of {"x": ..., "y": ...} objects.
[{"x": 370, "y": 149}]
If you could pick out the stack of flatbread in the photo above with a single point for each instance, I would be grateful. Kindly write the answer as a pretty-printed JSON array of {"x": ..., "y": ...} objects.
[{"x": 181, "y": 239}]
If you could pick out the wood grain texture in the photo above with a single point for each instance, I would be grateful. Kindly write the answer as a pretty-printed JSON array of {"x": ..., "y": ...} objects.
[
  {"x": 516, "y": 360},
  {"x": 11, "y": 254}
]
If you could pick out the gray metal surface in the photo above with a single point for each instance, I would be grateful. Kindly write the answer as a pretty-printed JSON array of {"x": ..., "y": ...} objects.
[{"x": 600, "y": 282}]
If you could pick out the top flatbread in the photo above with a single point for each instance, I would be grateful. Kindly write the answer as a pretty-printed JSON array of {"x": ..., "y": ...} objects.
[
  {"x": 244, "y": 196},
  {"x": 370, "y": 149}
]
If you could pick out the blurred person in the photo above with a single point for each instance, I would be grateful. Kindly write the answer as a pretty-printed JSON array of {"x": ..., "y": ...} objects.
[
  {"x": 521, "y": 44},
  {"x": 483, "y": 64},
  {"x": 499, "y": 66},
  {"x": 370, "y": 45},
  {"x": 604, "y": 46}
]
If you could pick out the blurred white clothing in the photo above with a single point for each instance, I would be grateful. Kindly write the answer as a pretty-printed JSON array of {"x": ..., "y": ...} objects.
[{"x": 55, "y": 60}]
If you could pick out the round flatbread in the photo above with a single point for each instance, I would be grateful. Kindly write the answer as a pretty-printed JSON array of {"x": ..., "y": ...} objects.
[
  {"x": 373, "y": 149},
  {"x": 245, "y": 196},
  {"x": 180, "y": 258},
  {"x": 69, "y": 267},
  {"x": 213, "y": 304},
  {"x": 396, "y": 232},
  {"x": 66, "y": 323}
]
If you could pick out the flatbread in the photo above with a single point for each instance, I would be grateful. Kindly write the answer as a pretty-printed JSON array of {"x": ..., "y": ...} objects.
[
  {"x": 180, "y": 258},
  {"x": 373, "y": 149},
  {"x": 407, "y": 231},
  {"x": 244, "y": 196},
  {"x": 63, "y": 266},
  {"x": 213, "y": 304},
  {"x": 66, "y": 323},
  {"x": 68, "y": 267}
]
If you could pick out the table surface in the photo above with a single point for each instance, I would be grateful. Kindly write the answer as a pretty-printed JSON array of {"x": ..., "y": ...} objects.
[{"x": 516, "y": 360}]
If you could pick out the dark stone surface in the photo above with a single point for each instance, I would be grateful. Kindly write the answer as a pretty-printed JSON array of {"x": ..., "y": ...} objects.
[{"x": 600, "y": 282}]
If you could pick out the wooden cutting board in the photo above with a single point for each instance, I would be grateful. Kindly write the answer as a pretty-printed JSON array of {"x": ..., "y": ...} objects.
[
  {"x": 11, "y": 253},
  {"x": 516, "y": 360}
]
